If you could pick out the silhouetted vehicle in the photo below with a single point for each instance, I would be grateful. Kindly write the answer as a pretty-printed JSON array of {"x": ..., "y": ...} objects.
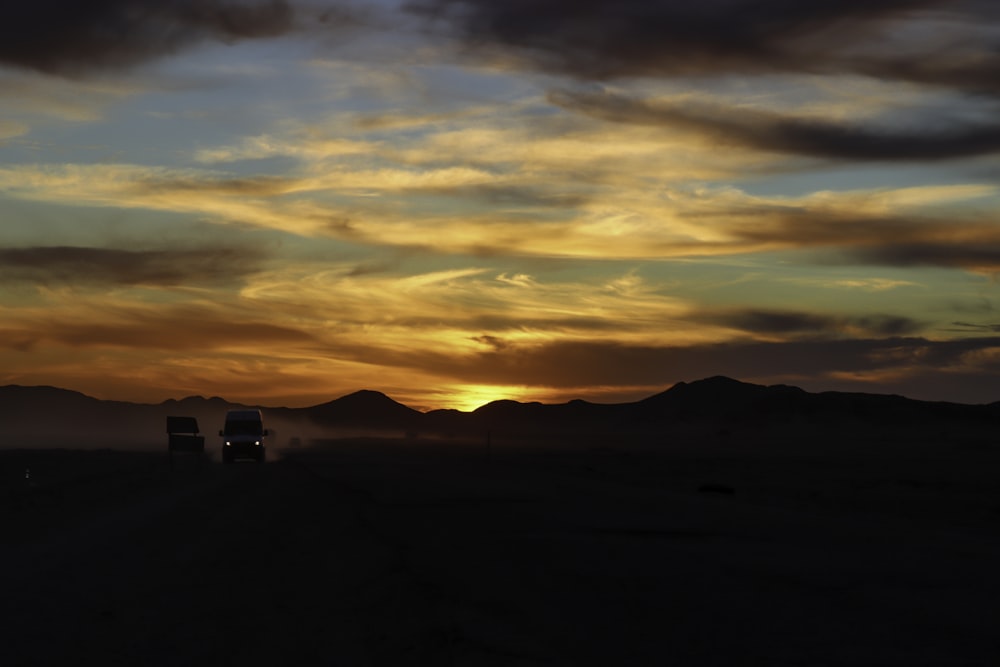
[
  {"x": 243, "y": 436},
  {"x": 183, "y": 435}
]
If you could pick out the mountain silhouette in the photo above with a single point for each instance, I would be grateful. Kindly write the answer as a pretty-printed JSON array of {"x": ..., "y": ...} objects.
[
  {"x": 721, "y": 397},
  {"x": 50, "y": 414},
  {"x": 364, "y": 408},
  {"x": 727, "y": 403}
]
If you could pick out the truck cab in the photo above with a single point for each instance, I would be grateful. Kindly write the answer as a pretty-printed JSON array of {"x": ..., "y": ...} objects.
[{"x": 243, "y": 436}]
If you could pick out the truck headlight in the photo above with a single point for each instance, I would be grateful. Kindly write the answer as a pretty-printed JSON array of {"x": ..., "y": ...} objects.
[
  {"x": 228, "y": 443},
  {"x": 257, "y": 442}
]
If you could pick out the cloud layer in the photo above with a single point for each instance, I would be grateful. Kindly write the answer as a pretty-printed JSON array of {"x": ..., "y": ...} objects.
[
  {"x": 608, "y": 39},
  {"x": 477, "y": 199},
  {"x": 783, "y": 133},
  {"x": 69, "y": 265},
  {"x": 73, "y": 38}
]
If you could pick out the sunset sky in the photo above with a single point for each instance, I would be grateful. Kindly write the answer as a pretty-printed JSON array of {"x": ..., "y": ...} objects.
[{"x": 455, "y": 201}]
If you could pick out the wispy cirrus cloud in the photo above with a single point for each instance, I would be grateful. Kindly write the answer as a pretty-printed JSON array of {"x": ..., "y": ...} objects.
[
  {"x": 453, "y": 310},
  {"x": 526, "y": 217},
  {"x": 30, "y": 101},
  {"x": 303, "y": 146},
  {"x": 300, "y": 324},
  {"x": 458, "y": 327},
  {"x": 559, "y": 198},
  {"x": 10, "y": 128}
]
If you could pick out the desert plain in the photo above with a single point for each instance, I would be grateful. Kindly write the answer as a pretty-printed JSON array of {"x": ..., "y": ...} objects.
[{"x": 713, "y": 548}]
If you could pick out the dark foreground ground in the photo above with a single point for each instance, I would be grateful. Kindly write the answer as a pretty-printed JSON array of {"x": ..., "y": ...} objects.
[{"x": 370, "y": 553}]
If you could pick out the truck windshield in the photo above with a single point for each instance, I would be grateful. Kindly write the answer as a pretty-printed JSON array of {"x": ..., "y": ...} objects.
[{"x": 243, "y": 428}]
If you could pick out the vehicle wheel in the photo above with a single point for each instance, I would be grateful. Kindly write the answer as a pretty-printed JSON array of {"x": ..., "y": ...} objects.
[{"x": 226, "y": 457}]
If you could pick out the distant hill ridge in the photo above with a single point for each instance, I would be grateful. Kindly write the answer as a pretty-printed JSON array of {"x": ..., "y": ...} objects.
[{"x": 719, "y": 401}]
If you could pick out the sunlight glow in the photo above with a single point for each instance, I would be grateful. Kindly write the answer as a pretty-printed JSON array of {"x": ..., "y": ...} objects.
[{"x": 468, "y": 397}]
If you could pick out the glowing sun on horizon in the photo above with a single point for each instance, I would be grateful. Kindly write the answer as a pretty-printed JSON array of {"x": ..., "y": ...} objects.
[{"x": 468, "y": 397}]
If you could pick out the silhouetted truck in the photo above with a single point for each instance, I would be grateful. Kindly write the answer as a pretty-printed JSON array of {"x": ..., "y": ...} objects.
[
  {"x": 183, "y": 435},
  {"x": 243, "y": 436}
]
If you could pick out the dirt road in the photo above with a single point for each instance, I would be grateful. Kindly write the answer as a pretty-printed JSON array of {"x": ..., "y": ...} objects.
[{"x": 350, "y": 557}]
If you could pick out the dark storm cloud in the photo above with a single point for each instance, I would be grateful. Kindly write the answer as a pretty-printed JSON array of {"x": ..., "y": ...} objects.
[
  {"x": 605, "y": 39},
  {"x": 258, "y": 186},
  {"x": 840, "y": 237},
  {"x": 109, "y": 266},
  {"x": 781, "y": 133},
  {"x": 578, "y": 364},
  {"x": 971, "y": 326},
  {"x": 586, "y": 39},
  {"x": 794, "y": 322},
  {"x": 972, "y": 255},
  {"x": 804, "y": 226},
  {"x": 886, "y": 325},
  {"x": 982, "y": 256},
  {"x": 165, "y": 328},
  {"x": 972, "y": 71},
  {"x": 73, "y": 37}
]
